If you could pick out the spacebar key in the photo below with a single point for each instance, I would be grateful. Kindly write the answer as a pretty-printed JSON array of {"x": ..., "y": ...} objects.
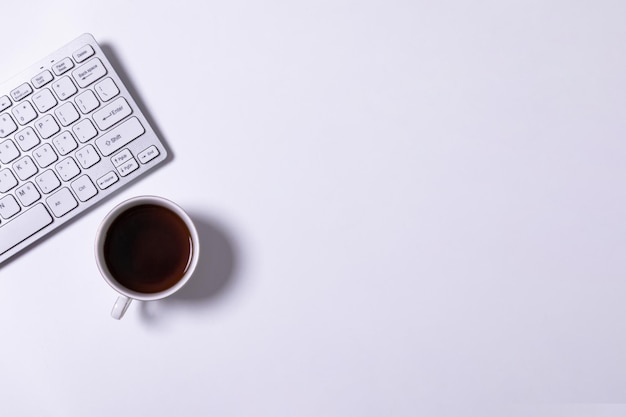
[{"x": 23, "y": 226}]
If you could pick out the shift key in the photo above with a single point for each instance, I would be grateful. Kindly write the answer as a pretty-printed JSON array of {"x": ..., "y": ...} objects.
[{"x": 120, "y": 136}]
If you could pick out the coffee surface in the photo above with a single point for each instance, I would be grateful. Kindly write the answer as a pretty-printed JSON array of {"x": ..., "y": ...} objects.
[{"x": 148, "y": 248}]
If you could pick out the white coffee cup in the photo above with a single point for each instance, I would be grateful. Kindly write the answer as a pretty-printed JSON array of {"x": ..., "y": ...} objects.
[{"x": 142, "y": 252}]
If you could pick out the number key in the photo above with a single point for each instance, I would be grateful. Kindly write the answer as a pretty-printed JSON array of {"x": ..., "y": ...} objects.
[
  {"x": 7, "y": 125},
  {"x": 24, "y": 112}
]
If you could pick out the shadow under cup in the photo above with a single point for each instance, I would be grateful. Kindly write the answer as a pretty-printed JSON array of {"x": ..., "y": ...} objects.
[{"x": 147, "y": 248}]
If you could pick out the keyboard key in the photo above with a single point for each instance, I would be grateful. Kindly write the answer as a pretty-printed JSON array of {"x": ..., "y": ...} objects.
[
  {"x": 62, "y": 202},
  {"x": 24, "y": 113},
  {"x": 89, "y": 72},
  {"x": 41, "y": 79},
  {"x": 8, "y": 207},
  {"x": 64, "y": 143},
  {"x": 119, "y": 136},
  {"x": 20, "y": 92},
  {"x": 47, "y": 182},
  {"x": 84, "y": 130},
  {"x": 67, "y": 169},
  {"x": 87, "y": 101},
  {"x": 87, "y": 156},
  {"x": 127, "y": 167},
  {"x": 27, "y": 194},
  {"x": 7, "y": 180},
  {"x": 8, "y": 151},
  {"x": 84, "y": 188},
  {"x": 45, "y": 155},
  {"x": 24, "y": 168},
  {"x": 64, "y": 88},
  {"x": 27, "y": 139},
  {"x": 148, "y": 155},
  {"x": 107, "y": 180},
  {"x": 47, "y": 126},
  {"x": 7, "y": 125},
  {"x": 63, "y": 66},
  {"x": 67, "y": 114},
  {"x": 106, "y": 89},
  {"x": 121, "y": 157},
  {"x": 112, "y": 113},
  {"x": 44, "y": 100},
  {"x": 5, "y": 103},
  {"x": 83, "y": 53},
  {"x": 24, "y": 226}
]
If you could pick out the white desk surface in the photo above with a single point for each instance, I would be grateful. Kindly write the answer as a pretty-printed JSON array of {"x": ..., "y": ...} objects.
[{"x": 406, "y": 208}]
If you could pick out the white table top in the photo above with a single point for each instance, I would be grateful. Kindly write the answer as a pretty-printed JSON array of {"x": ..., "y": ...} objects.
[{"x": 406, "y": 208}]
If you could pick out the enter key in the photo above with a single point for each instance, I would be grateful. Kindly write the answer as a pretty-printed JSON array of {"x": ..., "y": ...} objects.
[{"x": 112, "y": 113}]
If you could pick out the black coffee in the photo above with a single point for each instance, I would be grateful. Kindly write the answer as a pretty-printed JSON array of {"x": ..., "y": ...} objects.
[{"x": 148, "y": 248}]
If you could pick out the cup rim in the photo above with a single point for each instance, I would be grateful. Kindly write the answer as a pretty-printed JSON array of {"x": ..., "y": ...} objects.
[{"x": 113, "y": 214}]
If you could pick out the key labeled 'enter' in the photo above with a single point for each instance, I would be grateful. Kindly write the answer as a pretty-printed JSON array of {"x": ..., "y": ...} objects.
[{"x": 112, "y": 113}]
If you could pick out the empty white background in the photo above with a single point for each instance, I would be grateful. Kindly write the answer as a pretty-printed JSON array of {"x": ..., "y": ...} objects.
[{"x": 406, "y": 208}]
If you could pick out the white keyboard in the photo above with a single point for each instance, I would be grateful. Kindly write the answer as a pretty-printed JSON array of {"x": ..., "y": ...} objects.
[{"x": 70, "y": 135}]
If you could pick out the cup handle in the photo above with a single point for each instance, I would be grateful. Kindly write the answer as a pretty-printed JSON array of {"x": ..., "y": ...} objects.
[{"x": 120, "y": 307}]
